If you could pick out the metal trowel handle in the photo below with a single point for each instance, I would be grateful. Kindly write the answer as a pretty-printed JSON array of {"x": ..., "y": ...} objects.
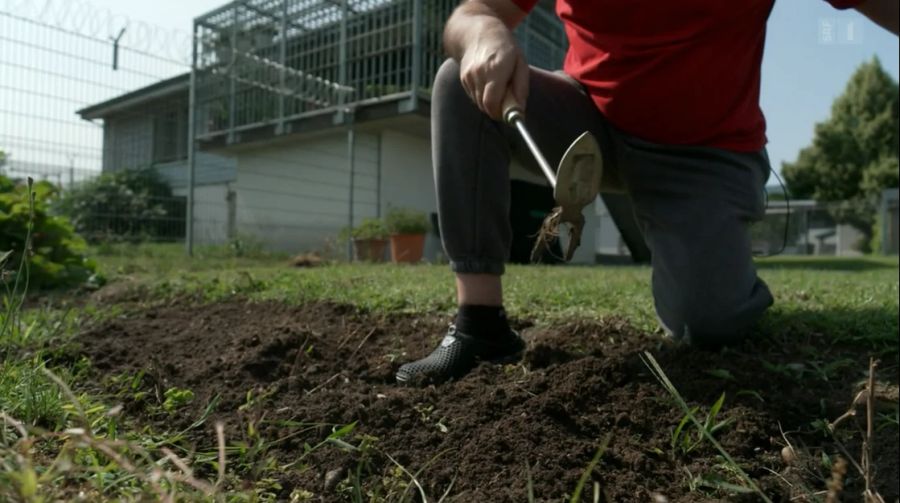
[
  {"x": 515, "y": 117},
  {"x": 512, "y": 111}
]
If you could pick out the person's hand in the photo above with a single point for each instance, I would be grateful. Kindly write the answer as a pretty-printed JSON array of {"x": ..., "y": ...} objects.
[{"x": 490, "y": 65}]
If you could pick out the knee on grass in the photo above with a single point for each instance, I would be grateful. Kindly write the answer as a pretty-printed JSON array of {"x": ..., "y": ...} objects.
[{"x": 712, "y": 322}]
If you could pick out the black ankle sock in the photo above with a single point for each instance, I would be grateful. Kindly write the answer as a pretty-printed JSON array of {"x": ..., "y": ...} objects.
[{"x": 482, "y": 321}]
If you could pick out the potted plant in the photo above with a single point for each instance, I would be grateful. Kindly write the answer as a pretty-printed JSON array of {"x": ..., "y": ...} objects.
[
  {"x": 407, "y": 229},
  {"x": 369, "y": 240}
]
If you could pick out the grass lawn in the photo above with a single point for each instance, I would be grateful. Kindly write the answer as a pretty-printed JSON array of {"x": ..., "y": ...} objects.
[
  {"x": 847, "y": 300},
  {"x": 850, "y": 297}
]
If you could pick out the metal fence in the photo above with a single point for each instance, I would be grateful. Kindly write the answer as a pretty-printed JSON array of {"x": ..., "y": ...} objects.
[
  {"x": 264, "y": 63},
  {"x": 803, "y": 227},
  {"x": 60, "y": 58},
  {"x": 85, "y": 92}
]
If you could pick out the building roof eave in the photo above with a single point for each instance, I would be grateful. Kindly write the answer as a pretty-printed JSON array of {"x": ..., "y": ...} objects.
[{"x": 161, "y": 89}]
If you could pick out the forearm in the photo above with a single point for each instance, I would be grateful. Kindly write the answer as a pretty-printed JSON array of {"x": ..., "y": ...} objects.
[
  {"x": 474, "y": 20},
  {"x": 884, "y": 13}
]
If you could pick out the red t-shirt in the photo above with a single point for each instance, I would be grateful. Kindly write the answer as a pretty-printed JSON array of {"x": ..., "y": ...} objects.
[{"x": 682, "y": 72}]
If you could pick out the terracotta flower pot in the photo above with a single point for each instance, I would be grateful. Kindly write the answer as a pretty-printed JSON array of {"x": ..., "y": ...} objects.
[
  {"x": 369, "y": 250},
  {"x": 407, "y": 247}
]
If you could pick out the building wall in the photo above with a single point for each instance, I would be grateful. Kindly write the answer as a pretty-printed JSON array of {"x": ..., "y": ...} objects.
[
  {"x": 295, "y": 197},
  {"x": 848, "y": 241},
  {"x": 213, "y": 213},
  {"x": 408, "y": 180}
]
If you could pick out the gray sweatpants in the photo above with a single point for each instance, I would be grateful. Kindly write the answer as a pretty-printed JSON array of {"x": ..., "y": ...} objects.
[{"x": 693, "y": 205}]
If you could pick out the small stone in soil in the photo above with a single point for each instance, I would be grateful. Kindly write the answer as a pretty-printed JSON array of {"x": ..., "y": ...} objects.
[
  {"x": 788, "y": 455},
  {"x": 333, "y": 477}
]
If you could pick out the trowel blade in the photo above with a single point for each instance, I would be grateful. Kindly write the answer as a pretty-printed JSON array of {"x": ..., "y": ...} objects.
[{"x": 579, "y": 173}]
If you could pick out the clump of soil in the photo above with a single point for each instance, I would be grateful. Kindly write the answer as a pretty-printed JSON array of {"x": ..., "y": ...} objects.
[{"x": 278, "y": 366}]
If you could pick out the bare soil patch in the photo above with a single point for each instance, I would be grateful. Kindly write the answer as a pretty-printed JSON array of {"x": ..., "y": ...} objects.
[{"x": 332, "y": 365}]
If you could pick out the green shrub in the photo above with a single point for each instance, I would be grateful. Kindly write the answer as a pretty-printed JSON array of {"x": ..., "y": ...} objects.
[
  {"x": 57, "y": 253},
  {"x": 370, "y": 228},
  {"x": 406, "y": 221},
  {"x": 127, "y": 205}
]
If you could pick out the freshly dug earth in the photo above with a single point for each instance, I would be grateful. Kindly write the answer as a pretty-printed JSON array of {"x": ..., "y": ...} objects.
[{"x": 331, "y": 365}]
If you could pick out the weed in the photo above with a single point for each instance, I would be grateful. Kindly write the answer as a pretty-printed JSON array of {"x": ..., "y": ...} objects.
[
  {"x": 684, "y": 442},
  {"x": 660, "y": 375},
  {"x": 751, "y": 393},
  {"x": 723, "y": 374},
  {"x": 717, "y": 483},
  {"x": 177, "y": 398}
]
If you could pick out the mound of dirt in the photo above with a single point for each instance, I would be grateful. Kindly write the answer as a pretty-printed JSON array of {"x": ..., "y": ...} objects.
[{"x": 281, "y": 367}]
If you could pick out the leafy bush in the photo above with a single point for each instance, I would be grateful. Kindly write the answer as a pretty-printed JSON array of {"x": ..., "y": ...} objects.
[
  {"x": 406, "y": 221},
  {"x": 127, "y": 205},
  {"x": 57, "y": 253},
  {"x": 370, "y": 228}
]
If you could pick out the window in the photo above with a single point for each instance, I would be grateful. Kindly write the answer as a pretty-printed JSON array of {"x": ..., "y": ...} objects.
[{"x": 170, "y": 135}]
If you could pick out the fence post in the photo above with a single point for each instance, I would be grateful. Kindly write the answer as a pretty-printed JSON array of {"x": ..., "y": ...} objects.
[
  {"x": 282, "y": 57},
  {"x": 416, "y": 77},
  {"x": 806, "y": 250},
  {"x": 232, "y": 73},
  {"x": 191, "y": 147},
  {"x": 351, "y": 160}
]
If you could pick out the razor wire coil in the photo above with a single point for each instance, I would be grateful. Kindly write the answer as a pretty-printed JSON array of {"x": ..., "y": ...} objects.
[{"x": 82, "y": 18}]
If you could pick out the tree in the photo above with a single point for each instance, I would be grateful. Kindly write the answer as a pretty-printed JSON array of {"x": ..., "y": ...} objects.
[
  {"x": 854, "y": 154},
  {"x": 2, "y": 158}
]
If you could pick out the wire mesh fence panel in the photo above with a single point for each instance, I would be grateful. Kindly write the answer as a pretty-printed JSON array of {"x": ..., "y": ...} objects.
[
  {"x": 69, "y": 115},
  {"x": 261, "y": 62},
  {"x": 805, "y": 228},
  {"x": 101, "y": 107}
]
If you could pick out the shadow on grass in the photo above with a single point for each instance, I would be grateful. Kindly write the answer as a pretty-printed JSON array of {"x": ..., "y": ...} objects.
[{"x": 829, "y": 263}]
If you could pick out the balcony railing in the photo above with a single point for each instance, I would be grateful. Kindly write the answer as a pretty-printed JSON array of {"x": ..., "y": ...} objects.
[{"x": 266, "y": 62}]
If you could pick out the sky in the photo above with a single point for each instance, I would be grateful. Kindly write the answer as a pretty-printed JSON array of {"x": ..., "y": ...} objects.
[{"x": 803, "y": 71}]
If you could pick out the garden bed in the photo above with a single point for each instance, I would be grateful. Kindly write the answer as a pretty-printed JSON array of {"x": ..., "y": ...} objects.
[{"x": 284, "y": 379}]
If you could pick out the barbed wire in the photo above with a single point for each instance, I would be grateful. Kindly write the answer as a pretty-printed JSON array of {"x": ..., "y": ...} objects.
[{"x": 82, "y": 18}]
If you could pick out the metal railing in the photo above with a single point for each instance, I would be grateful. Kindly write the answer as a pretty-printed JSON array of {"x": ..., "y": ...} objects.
[{"x": 264, "y": 62}]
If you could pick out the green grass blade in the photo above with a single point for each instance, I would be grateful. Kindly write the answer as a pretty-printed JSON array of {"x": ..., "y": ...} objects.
[
  {"x": 576, "y": 496},
  {"x": 714, "y": 411},
  {"x": 678, "y": 430},
  {"x": 660, "y": 375},
  {"x": 529, "y": 484}
]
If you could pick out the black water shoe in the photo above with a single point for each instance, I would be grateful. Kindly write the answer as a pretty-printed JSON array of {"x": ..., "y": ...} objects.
[{"x": 459, "y": 353}]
